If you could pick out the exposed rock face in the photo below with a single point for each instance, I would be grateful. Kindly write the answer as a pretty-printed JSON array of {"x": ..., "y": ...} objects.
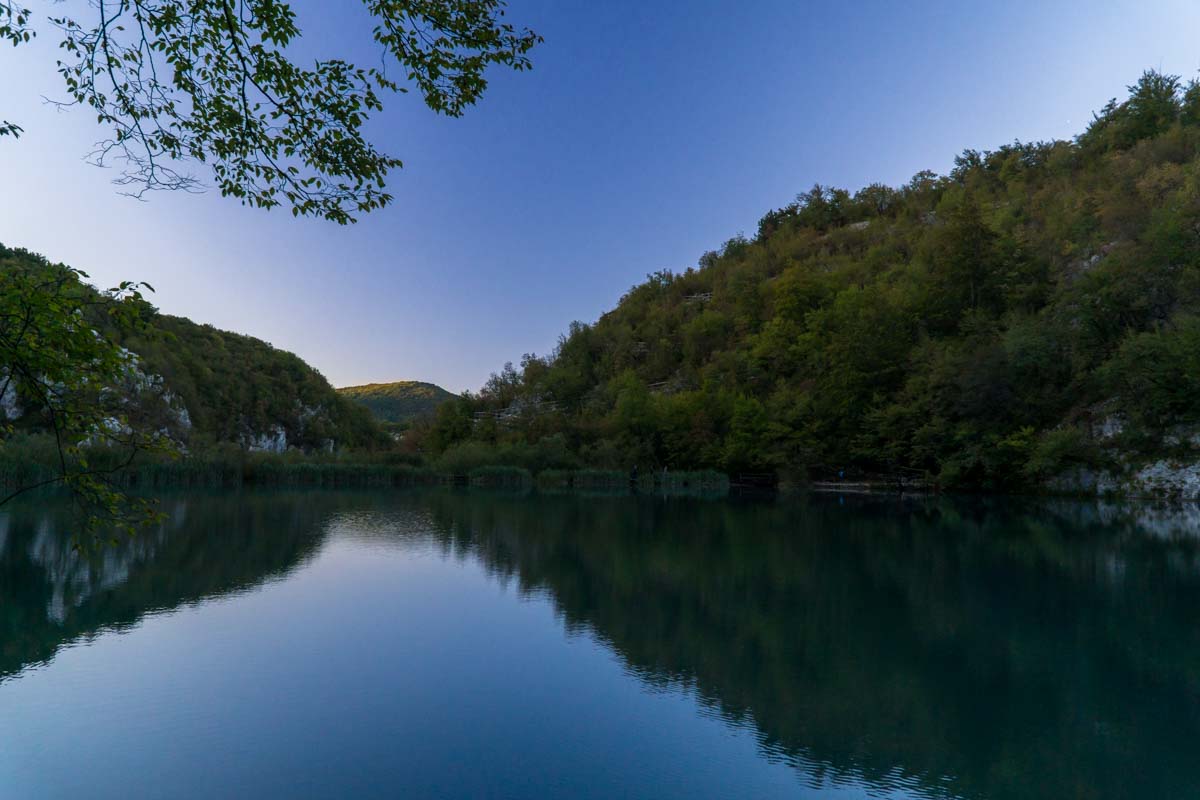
[
  {"x": 1167, "y": 479},
  {"x": 10, "y": 407},
  {"x": 1173, "y": 474},
  {"x": 179, "y": 412},
  {"x": 1076, "y": 269},
  {"x": 1108, "y": 428},
  {"x": 272, "y": 441},
  {"x": 275, "y": 438},
  {"x": 1162, "y": 479},
  {"x": 135, "y": 388},
  {"x": 306, "y": 413}
]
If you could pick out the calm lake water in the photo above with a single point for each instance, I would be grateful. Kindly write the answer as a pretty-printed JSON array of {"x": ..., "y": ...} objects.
[{"x": 476, "y": 645}]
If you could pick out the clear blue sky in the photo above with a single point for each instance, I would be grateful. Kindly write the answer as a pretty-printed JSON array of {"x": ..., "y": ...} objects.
[{"x": 647, "y": 133}]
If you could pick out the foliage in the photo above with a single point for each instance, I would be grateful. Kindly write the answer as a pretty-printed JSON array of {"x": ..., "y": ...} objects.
[
  {"x": 398, "y": 402},
  {"x": 233, "y": 388},
  {"x": 500, "y": 477},
  {"x": 62, "y": 371},
  {"x": 466, "y": 457},
  {"x": 29, "y": 458},
  {"x": 554, "y": 479},
  {"x": 1056, "y": 451},
  {"x": 600, "y": 479},
  {"x": 276, "y": 471},
  {"x": 237, "y": 387},
  {"x": 657, "y": 482},
  {"x": 970, "y": 328},
  {"x": 217, "y": 82},
  {"x": 98, "y": 392},
  {"x": 1156, "y": 375}
]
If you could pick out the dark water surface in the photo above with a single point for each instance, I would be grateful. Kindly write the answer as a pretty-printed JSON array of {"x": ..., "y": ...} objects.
[{"x": 440, "y": 644}]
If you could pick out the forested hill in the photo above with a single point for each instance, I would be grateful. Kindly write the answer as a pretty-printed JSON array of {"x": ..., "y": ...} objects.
[
  {"x": 399, "y": 401},
  {"x": 210, "y": 387},
  {"x": 240, "y": 389},
  {"x": 1032, "y": 311}
]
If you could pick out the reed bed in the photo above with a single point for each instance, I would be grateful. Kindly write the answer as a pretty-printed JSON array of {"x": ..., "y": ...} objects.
[
  {"x": 700, "y": 482},
  {"x": 31, "y": 460},
  {"x": 599, "y": 479},
  {"x": 500, "y": 477}
]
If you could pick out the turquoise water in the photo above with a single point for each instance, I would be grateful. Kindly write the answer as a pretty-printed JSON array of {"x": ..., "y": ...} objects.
[{"x": 439, "y": 644}]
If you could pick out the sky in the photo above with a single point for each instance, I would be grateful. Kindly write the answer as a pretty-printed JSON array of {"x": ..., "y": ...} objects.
[{"x": 648, "y": 132}]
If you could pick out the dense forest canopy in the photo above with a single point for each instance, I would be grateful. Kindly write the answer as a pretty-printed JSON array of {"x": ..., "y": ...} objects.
[
  {"x": 196, "y": 384},
  {"x": 978, "y": 328},
  {"x": 236, "y": 388}
]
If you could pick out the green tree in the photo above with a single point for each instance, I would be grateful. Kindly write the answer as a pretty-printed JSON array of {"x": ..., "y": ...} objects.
[
  {"x": 452, "y": 424},
  {"x": 58, "y": 371},
  {"x": 1153, "y": 106},
  {"x": 963, "y": 267},
  {"x": 214, "y": 82},
  {"x": 1155, "y": 375}
]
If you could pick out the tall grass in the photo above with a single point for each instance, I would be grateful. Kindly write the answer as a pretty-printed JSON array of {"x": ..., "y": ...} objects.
[
  {"x": 554, "y": 479},
  {"x": 501, "y": 477},
  {"x": 26, "y": 460},
  {"x": 599, "y": 479},
  {"x": 706, "y": 481},
  {"x": 335, "y": 475},
  {"x": 30, "y": 459},
  {"x": 703, "y": 481}
]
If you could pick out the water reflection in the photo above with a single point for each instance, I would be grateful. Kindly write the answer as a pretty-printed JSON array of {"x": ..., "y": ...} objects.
[
  {"x": 998, "y": 649},
  {"x": 52, "y": 594},
  {"x": 979, "y": 649}
]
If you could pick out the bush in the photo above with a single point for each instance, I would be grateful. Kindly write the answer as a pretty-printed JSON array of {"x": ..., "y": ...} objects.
[
  {"x": 1155, "y": 376},
  {"x": 1058, "y": 450},
  {"x": 549, "y": 452},
  {"x": 461, "y": 459}
]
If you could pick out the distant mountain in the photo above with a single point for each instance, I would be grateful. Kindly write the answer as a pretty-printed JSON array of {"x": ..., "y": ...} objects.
[{"x": 401, "y": 401}]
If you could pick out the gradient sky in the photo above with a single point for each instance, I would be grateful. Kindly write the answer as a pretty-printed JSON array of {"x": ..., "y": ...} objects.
[{"x": 647, "y": 133}]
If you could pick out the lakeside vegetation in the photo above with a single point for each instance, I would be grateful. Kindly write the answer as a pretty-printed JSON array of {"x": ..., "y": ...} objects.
[
  {"x": 196, "y": 384},
  {"x": 237, "y": 411},
  {"x": 237, "y": 387},
  {"x": 30, "y": 460},
  {"x": 161, "y": 90},
  {"x": 1035, "y": 310}
]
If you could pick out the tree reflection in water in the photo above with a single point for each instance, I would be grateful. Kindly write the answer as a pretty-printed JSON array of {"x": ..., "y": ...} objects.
[{"x": 978, "y": 649}]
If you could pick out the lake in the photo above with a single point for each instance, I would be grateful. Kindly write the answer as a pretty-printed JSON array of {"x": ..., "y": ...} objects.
[{"x": 443, "y": 644}]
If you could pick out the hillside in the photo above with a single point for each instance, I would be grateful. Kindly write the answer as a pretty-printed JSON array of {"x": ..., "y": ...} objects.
[
  {"x": 1032, "y": 316},
  {"x": 207, "y": 387},
  {"x": 240, "y": 389},
  {"x": 398, "y": 402}
]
